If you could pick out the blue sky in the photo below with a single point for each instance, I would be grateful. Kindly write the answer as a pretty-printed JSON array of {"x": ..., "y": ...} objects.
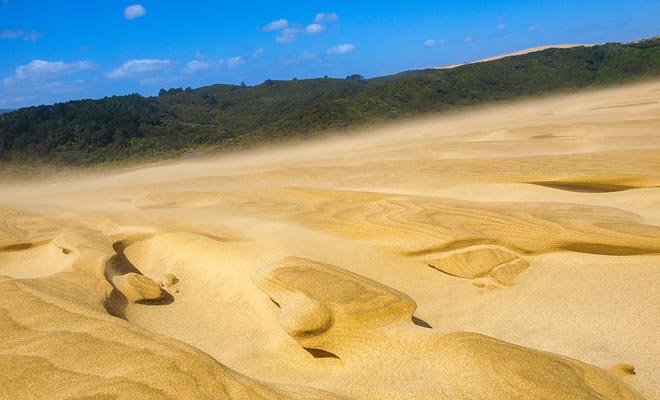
[{"x": 52, "y": 51}]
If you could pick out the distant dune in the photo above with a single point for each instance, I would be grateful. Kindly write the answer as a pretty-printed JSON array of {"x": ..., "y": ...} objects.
[
  {"x": 516, "y": 53},
  {"x": 510, "y": 252}
]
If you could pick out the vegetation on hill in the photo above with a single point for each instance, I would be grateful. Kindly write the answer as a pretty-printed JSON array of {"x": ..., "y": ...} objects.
[{"x": 223, "y": 116}]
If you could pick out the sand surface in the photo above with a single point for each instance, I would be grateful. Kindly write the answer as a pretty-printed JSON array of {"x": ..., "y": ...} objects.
[{"x": 507, "y": 252}]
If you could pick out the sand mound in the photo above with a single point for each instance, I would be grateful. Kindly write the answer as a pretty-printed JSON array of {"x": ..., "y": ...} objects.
[
  {"x": 477, "y": 263},
  {"x": 137, "y": 287},
  {"x": 366, "y": 324},
  {"x": 303, "y": 271},
  {"x": 80, "y": 351},
  {"x": 320, "y": 302},
  {"x": 168, "y": 280},
  {"x": 624, "y": 369}
]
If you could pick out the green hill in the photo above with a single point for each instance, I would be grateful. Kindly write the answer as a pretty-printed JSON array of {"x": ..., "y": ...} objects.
[{"x": 225, "y": 116}]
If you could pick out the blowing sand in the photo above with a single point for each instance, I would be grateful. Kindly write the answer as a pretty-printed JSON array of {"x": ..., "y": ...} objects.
[{"x": 509, "y": 252}]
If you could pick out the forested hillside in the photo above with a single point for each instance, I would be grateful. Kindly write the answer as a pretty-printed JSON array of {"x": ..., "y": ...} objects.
[{"x": 224, "y": 116}]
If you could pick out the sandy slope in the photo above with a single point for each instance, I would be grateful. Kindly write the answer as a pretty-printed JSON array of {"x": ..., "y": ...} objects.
[
  {"x": 516, "y": 53},
  {"x": 511, "y": 252}
]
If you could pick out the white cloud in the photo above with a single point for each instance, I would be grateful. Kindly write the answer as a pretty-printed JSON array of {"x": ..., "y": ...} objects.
[
  {"x": 200, "y": 66},
  {"x": 288, "y": 35},
  {"x": 235, "y": 62},
  {"x": 276, "y": 25},
  {"x": 326, "y": 17},
  {"x": 341, "y": 49},
  {"x": 314, "y": 29},
  {"x": 258, "y": 53},
  {"x": 31, "y": 36},
  {"x": 44, "y": 70},
  {"x": 306, "y": 56},
  {"x": 533, "y": 28},
  {"x": 132, "y": 68},
  {"x": 468, "y": 38},
  {"x": 135, "y": 11},
  {"x": 433, "y": 42}
]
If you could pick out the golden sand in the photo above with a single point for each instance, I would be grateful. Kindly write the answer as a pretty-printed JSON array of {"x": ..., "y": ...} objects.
[{"x": 507, "y": 252}]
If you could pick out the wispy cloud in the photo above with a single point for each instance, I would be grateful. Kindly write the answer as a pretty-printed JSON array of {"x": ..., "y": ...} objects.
[
  {"x": 11, "y": 34},
  {"x": 276, "y": 25},
  {"x": 306, "y": 56},
  {"x": 40, "y": 70},
  {"x": 434, "y": 42},
  {"x": 134, "y": 68},
  {"x": 235, "y": 62},
  {"x": 326, "y": 17},
  {"x": 341, "y": 49},
  {"x": 196, "y": 66},
  {"x": 38, "y": 81},
  {"x": 468, "y": 38},
  {"x": 533, "y": 28},
  {"x": 31, "y": 36},
  {"x": 288, "y": 35},
  {"x": 501, "y": 27},
  {"x": 258, "y": 53},
  {"x": 135, "y": 11},
  {"x": 314, "y": 29},
  {"x": 589, "y": 27}
]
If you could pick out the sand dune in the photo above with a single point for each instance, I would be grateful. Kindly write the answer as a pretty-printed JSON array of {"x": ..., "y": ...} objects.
[{"x": 508, "y": 252}]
